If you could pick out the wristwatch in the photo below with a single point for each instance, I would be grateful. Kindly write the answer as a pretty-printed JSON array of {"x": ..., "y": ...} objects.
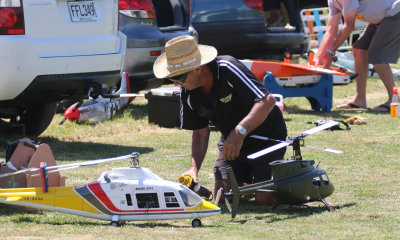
[
  {"x": 241, "y": 130},
  {"x": 332, "y": 52}
]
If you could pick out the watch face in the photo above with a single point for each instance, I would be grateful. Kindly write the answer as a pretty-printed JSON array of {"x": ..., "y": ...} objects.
[{"x": 241, "y": 130}]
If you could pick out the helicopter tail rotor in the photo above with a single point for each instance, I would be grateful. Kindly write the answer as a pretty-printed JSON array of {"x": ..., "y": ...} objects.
[{"x": 218, "y": 197}]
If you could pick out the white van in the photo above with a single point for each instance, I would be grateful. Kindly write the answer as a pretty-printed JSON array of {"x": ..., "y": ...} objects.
[{"x": 52, "y": 50}]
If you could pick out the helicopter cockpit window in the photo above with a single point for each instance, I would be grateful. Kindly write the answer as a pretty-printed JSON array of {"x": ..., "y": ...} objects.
[
  {"x": 325, "y": 179},
  {"x": 128, "y": 199},
  {"x": 170, "y": 200},
  {"x": 190, "y": 199},
  {"x": 321, "y": 180},
  {"x": 147, "y": 200}
]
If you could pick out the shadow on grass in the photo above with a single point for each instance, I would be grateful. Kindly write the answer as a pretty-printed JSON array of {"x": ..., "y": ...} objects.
[
  {"x": 336, "y": 113},
  {"x": 137, "y": 111},
  {"x": 63, "y": 150},
  {"x": 161, "y": 223},
  {"x": 8, "y": 210},
  {"x": 248, "y": 209},
  {"x": 339, "y": 114},
  {"x": 18, "y": 215}
]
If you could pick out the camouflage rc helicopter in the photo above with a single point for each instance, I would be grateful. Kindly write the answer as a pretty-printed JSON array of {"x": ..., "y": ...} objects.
[{"x": 294, "y": 181}]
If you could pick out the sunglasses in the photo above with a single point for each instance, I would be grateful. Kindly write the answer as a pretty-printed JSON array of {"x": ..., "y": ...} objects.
[{"x": 179, "y": 78}]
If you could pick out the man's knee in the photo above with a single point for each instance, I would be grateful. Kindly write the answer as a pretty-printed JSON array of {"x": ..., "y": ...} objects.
[
  {"x": 359, "y": 52},
  {"x": 265, "y": 198},
  {"x": 222, "y": 183}
]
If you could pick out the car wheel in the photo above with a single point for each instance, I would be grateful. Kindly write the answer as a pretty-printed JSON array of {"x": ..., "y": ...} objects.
[{"x": 36, "y": 119}]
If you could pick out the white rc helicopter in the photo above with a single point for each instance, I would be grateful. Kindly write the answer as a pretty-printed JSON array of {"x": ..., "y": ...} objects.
[{"x": 122, "y": 194}]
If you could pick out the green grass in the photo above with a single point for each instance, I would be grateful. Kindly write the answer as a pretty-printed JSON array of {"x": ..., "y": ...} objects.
[{"x": 365, "y": 177}]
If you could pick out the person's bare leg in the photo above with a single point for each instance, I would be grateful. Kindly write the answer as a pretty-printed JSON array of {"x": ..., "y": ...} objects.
[
  {"x": 385, "y": 73},
  {"x": 285, "y": 15},
  {"x": 360, "y": 68}
]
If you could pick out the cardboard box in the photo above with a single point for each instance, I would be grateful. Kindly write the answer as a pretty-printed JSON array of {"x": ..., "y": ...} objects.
[{"x": 163, "y": 106}]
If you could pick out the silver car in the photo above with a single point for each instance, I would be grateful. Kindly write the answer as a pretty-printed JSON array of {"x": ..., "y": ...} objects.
[{"x": 148, "y": 25}]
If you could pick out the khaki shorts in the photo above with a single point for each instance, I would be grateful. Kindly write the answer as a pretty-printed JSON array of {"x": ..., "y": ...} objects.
[{"x": 382, "y": 41}]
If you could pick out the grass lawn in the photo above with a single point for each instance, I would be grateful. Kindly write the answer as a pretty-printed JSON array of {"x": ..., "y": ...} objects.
[{"x": 365, "y": 177}]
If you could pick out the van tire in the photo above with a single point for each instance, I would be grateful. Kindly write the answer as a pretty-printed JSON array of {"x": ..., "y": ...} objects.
[{"x": 38, "y": 117}]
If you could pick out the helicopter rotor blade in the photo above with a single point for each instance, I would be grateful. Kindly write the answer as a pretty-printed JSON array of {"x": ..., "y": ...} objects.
[
  {"x": 283, "y": 144},
  {"x": 268, "y": 150},
  {"x": 56, "y": 168},
  {"x": 94, "y": 162},
  {"x": 325, "y": 149},
  {"x": 65, "y": 168},
  {"x": 166, "y": 157},
  {"x": 18, "y": 172},
  {"x": 321, "y": 127},
  {"x": 265, "y": 138},
  {"x": 73, "y": 165}
]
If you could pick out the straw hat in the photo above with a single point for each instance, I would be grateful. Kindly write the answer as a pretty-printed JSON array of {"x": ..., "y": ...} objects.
[{"x": 182, "y": 55}]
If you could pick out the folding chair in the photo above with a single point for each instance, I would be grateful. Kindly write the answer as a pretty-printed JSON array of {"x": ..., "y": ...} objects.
[{"x": 315, "y": 21}]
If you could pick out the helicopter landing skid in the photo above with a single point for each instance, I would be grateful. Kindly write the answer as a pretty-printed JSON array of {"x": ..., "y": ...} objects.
[
  {"x": 312, "y": 211},
  {"x": 310, "y": 208},
  {"x": 328, "y": 205}
]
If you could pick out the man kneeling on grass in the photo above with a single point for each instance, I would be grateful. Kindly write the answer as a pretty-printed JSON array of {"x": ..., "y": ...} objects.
[{"x": 222, "y": 90}]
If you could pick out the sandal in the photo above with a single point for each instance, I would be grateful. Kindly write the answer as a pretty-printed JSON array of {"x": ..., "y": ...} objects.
[
  {"x": 348, "y": 105},
  {"x": 381, "y": 108}
]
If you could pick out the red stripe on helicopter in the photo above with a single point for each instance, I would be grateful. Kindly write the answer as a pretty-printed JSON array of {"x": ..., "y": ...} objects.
[{"x": 98, "y": 191}]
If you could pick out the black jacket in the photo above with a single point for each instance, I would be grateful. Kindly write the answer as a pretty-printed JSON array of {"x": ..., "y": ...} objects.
[{"x": 233, "y": 94}]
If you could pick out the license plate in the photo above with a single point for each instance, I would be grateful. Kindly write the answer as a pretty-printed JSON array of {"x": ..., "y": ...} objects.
[{"x": 81, "y": 11}]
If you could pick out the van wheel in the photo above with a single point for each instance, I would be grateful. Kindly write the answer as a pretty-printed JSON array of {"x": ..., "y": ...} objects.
[{"x": 36, "y": 119}]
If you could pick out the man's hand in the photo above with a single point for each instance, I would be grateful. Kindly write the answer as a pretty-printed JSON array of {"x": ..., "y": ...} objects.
[
  {"x": 258, "y": 113},
  {"x": 232, "y": 145},
  {"x": 192, "y": 172},
  {"x": 325, "y": 59}
]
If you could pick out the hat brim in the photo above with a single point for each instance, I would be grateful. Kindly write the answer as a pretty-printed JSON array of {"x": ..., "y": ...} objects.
[{"x": 207, "y": 54}]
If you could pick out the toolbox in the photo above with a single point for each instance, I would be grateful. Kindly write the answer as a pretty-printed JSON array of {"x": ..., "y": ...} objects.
[{"x": 163, "y": 106}]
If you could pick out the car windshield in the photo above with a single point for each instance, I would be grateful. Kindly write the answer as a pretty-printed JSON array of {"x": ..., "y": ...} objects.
[{"x": 189, "y": 198}]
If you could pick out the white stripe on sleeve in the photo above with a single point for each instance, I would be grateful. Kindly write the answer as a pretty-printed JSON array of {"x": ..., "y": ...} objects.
[{"x": 242, "y": 77}]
